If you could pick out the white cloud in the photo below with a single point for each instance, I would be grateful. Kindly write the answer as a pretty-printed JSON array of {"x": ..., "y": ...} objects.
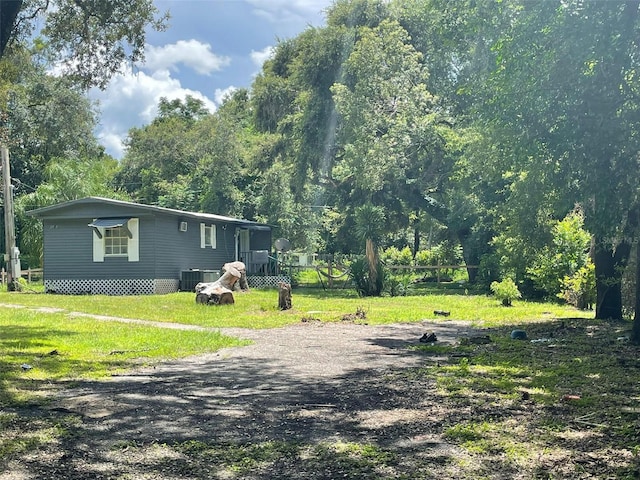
[
  {"x": 112, "y": 143},
  {"x": 192, "y": 53},
  {"x": 290, "y": 10},
  {"x": 221, "y": 94},
  {"x": 259, "y": 57},
  {"x": 131, "y": 100}
]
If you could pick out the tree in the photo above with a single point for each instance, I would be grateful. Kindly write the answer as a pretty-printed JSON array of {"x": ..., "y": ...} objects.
[
  {"x": 64, "y": 179},
  {"x": 9, "y": 10},
  {"x": 391, "y": 133},
  {"x": 48, "y": 118},
  {"x": 162, "y": 156},
  {"x": 275, "y": 204},
  {"x": 563, "y": 89},
  {"x": 89, "y": 39},
  {"x": 369, "y": 221}
]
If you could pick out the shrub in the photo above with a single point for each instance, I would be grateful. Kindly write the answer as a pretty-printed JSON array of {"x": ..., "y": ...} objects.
[
  {"x": 506, "y": 291},
  {"x": 445, "y": 253},
  {"x": 579, "y": 289},
  {"x": 359, "y": 275},
  {"x": 394, "y": 256},
  {"x": 398, "y": 285},
  {"x": 563, "y": 258}
]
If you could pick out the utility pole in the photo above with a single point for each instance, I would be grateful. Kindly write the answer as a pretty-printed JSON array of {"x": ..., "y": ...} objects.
[{"x": 12, "y": 257}]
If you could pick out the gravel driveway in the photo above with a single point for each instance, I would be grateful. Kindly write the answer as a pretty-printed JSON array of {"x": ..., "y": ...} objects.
[{"x": 308, "y": 383}]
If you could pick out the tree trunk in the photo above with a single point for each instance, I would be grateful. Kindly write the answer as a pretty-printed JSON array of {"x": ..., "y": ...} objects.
[
  {"x": 610, "y": 263},
  {"x": 284, "y": 296},
  {"x": 9, "y": 10},
  {"x": 242, "y": 283},
  {"x": 219, "y": 292},
  {"x": 474, "y": 244},
  {"x": 371, "y": 252},
  {"x": 635, "y": 331}
]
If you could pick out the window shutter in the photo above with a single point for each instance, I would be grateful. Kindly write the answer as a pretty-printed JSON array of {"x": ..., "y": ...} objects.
[
  {"x": 134, "y": 241},
  {"x": 202, "y": 235},
  {"x": 214, "y": 240},
  {"x": 98, "y": 245}
]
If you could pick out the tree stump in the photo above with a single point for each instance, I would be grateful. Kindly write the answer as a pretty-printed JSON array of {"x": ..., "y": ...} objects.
[
  {"x": 242, "y": 284},
  {"x": 284, "y": 296},
  {"x": 219, "y": 292}
]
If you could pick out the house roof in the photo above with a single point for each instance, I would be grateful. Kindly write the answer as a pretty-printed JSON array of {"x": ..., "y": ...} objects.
[{"x": 58, "y": 210}]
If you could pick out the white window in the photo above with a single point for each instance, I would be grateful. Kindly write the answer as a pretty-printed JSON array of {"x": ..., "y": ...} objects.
[
  {"x": 116, "y": 242},
  {"x": 207, "y": 236},
  {"x": 115, "y": 238}
]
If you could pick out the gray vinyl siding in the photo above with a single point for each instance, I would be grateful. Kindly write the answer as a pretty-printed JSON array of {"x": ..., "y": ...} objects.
[
  {"x": 177, "y": 251},
  {"x": 68, "y": 252}
]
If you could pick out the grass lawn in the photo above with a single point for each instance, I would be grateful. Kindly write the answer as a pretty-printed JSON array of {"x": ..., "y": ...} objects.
[
  {"x": 258, "y": 308},
  {"x": 521, "y": 406},
  {"x": 33, "y": 325}
]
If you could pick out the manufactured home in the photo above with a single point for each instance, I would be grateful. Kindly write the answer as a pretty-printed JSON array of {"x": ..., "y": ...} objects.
[{"x": 103, "y": 246}]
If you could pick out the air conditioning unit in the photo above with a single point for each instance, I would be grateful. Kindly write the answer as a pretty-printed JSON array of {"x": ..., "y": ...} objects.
[
  {"x": 190, "y": 278},
  {"x": 183, "y": 226}
]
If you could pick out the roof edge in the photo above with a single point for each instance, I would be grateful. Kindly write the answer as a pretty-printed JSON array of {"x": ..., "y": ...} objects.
[{"x": 43, "y": 211}]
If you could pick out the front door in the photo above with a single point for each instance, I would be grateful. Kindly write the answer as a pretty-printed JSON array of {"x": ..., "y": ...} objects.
[{"x": 243, "y": 245}]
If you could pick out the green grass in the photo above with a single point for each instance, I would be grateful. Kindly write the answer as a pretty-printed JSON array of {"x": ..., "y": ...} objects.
[
  {"x": 349, "y": 460},
  {"x": 570, "y": 392},
  {"x": 32, "y": 326},
  {"x": 482, "y": 386},
  {"x": 58, "y": 347},
  {"x": 258, "y": 308}
]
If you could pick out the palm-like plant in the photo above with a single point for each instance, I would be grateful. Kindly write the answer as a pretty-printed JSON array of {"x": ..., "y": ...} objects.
[{"x": 369, "y": 225}]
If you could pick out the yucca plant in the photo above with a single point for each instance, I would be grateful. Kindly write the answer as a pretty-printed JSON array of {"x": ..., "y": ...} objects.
[{"x": 369, "y": 221}]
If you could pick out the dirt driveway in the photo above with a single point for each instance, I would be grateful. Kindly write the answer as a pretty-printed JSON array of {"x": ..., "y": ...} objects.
[{"x": 307, "y": 384}]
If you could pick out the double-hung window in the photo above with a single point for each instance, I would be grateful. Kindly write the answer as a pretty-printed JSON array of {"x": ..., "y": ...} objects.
[
  {"x": 116, "y": 242},
  {"x": 207, "y": 236},
  {"x": 115, "y": 237}
]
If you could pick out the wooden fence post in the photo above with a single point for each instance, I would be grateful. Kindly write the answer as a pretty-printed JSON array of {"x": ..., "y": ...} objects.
[{"x": 330, "y": 271}]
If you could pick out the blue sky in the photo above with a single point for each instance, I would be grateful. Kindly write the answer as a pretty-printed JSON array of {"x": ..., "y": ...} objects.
[{"x": 210, "y": 48}]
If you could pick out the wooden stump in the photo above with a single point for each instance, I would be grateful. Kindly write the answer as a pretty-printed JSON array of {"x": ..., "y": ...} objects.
[
  {"x": 219, "y": 292},
  {"x": 242, "y": 283},
  {"x": 284, "y": 296}
]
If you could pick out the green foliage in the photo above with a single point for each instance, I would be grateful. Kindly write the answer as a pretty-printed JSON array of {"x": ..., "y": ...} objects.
[
  {"x": 90, "y": 41},
  {"x": 579, "y": 289},
  {"x": 163, "y": 159},
  {"x": 360, "y": 275},
  {"x": 399, "y": 285},
  {"x": 394, "y": 256},
  {"x": 445, "y": 253},
  {"x": 567, "y": 254},
  {"x": 506, "y": 291}
]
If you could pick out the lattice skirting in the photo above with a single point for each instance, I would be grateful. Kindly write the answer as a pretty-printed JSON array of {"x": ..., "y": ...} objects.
[
  {"x": 256, "y": 281},
  {"x": 112, "y": 287}
]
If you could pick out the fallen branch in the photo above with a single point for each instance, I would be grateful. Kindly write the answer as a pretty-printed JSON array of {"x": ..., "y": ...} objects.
[{"x": 582, "y": 420}]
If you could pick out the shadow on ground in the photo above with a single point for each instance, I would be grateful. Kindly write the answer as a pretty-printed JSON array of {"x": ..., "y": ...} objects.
[{"x": 314, "y": 403}]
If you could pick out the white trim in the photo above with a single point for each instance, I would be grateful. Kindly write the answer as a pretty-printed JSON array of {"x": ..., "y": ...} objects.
[
  {"x": 214, "y": 236},
  {"x": 203, "y": 235},
  {"x": 134, "y": 242},
  {"x": 98, "y": 244}
]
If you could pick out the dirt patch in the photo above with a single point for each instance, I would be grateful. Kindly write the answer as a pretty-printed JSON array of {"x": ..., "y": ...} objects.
[{"x": 307, "y": 387}]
